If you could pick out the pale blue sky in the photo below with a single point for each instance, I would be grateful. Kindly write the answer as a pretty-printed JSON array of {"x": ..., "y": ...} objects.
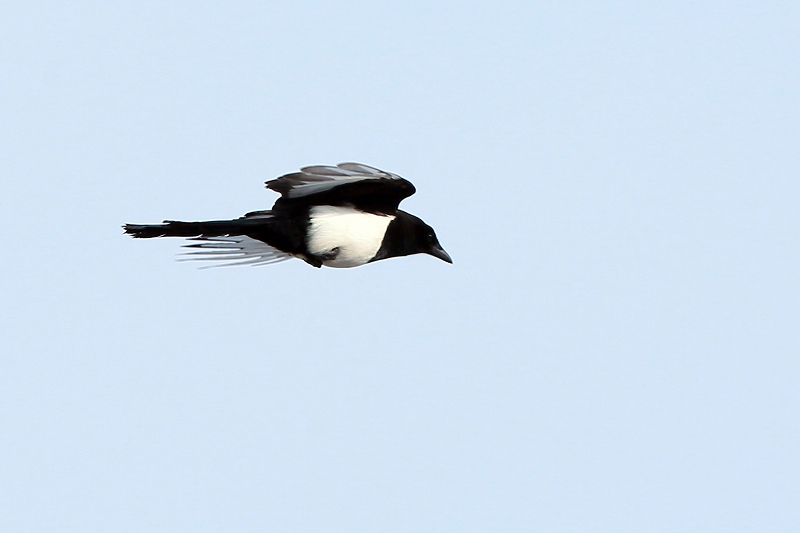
[{"x": 616, "y": 347}]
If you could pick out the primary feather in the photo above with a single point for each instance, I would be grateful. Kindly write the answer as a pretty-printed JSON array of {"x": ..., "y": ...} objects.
[
  {"x": 320, "y": 178},
  {"x": 235, "y": 250}
]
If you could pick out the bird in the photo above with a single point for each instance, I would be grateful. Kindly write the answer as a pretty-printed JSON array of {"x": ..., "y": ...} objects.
[{"x": 340, "y": 216}]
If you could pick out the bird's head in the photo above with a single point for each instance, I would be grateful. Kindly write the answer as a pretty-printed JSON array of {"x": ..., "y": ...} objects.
[
  {"x": 407, "y": 235},
  {"x": 428, "y": 243}
]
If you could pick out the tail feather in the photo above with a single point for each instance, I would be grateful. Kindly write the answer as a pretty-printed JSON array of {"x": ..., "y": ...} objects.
[{"x": 176, "y": 228}]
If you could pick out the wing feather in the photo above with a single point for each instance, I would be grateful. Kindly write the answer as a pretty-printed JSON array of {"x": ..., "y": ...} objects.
[
  {"x": 350, "y": 184},
  {"x": 234, "y": 251}
]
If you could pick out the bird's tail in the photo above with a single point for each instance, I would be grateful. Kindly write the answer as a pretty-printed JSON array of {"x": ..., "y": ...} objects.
[{"x": 176, "y": 228}]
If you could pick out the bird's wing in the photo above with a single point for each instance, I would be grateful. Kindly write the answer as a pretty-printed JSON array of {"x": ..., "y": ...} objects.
[
  {"x": 233, "y": 251},
  {"x": 348, "y": 184}
]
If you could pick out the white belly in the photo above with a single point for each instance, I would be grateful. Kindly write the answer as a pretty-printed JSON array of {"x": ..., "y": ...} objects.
[{"x": 356, "y": 235}]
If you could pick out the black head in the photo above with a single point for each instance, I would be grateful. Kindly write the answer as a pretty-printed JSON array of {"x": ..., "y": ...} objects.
[
  {"x": 407, "y": 235},
  {"x": 427, "y": 243}
]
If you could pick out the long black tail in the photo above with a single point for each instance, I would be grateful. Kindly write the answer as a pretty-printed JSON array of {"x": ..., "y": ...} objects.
[{"x": 212, "y": 228}]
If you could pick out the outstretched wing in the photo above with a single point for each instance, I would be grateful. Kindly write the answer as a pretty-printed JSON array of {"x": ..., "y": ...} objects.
[
  {"x": 233, "y": 251},
  {"x": 347, "y": 184}
]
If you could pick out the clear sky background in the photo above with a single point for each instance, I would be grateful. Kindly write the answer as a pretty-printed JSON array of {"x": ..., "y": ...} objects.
[{"x": 616, "y": 348}]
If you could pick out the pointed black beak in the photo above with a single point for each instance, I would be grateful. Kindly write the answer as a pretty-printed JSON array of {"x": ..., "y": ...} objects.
[{"x": 438, "y": 251}]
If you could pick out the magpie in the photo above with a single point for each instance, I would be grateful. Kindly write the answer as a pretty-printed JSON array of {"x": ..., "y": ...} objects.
[{"x": 336, "y": 216}]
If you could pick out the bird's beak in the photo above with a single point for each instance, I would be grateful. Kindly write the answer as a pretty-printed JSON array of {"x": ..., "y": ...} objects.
[{"x": 438, "y": 251}]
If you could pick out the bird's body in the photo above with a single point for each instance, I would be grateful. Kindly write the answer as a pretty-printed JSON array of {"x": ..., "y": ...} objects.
[
  {"x": 343, "y": 216},
  {"x": 347, "y": 236}
]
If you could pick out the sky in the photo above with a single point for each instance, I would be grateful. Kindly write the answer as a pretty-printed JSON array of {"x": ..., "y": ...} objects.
[{"x": 615, "y": 348}]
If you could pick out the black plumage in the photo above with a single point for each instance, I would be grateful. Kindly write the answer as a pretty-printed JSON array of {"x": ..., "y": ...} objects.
[{"x": 340, "y": 216}]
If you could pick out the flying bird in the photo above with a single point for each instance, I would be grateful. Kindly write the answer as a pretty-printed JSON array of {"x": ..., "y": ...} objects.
[{"x": 336, "y": 216}]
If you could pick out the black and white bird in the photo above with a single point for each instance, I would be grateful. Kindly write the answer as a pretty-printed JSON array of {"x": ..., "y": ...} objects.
[{"x": 336, "y": 216}]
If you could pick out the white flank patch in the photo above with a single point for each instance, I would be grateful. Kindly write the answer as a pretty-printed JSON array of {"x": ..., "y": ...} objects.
[
  {"x": 356, "y": 234},
  {"x": 233, "y": 251}
]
